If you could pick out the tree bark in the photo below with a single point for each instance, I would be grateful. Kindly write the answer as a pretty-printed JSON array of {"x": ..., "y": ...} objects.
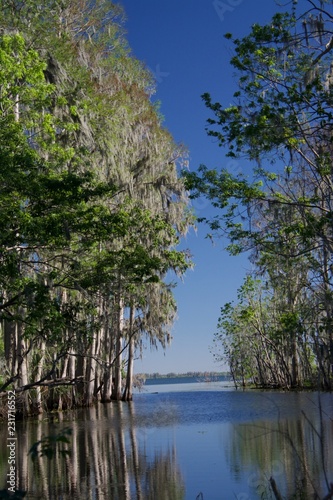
[
  {"x": 128, "y": 392},
  {"x": 23, "y": 406},
  {"x": 116, "y": 387}
]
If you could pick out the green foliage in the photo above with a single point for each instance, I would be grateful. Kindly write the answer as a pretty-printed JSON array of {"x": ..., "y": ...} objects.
[
  {"x": 280, "y": 123},
  {"x": 91, "y": 205}
]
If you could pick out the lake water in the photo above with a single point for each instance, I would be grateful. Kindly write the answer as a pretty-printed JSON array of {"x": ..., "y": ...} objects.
[{"x": 195, "y": 441}]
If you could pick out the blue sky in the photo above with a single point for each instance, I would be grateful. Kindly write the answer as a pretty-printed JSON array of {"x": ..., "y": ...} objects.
[{"x": 183, "y": 44}]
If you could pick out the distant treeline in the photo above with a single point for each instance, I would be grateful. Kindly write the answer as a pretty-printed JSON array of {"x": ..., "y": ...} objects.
[{"x": 182, "y": 375}]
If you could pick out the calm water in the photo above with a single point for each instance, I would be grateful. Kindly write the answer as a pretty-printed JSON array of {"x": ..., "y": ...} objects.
[{"x": 192, "y": 441}]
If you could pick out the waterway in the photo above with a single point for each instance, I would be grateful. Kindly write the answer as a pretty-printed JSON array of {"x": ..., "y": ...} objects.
[{"x": 187, "y": 441}]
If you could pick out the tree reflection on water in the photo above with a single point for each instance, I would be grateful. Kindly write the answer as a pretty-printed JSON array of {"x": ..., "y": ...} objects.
[
  {"x": 173, "y": 446},
  {"x": 107, "y": 460},
  {"x": 295, "y": 453}
]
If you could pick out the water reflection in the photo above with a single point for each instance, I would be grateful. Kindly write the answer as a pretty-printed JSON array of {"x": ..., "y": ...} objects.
[
  {"x": 175, "y": 446},
  {"x": 108, "y": 459},
  {"x": 296, "y": 453}
]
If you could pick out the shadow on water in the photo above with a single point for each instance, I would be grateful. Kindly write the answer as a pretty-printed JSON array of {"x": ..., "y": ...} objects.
[{"x": 178, "y": 446}]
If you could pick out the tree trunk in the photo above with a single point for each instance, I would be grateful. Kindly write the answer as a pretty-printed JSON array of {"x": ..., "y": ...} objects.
[
  {"x": 116, "y": 387},
  {"x": 128, "y": 392},
  {"x": 10, "y": 346},
  {"x": 80, "y": 371},
  {"x": 22, "y": 403},
  {"x": 329, "y": 317},
  {"x": 38, "y": 377},
  {"x": 108, "y": 346},
  {"x": 93, "y": 371},
  {"x": 294, "y": 361},
  {"x": 90, "y": 374}
]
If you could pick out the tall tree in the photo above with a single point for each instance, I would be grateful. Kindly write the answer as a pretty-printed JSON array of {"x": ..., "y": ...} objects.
[
  {"x": 96, "y": 203},
  {"x": 280, "y": 122}
]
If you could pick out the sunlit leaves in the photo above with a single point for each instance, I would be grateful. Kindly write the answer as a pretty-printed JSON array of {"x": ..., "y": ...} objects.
[
  {"x": 278, "y": 129},
  {"x": 91, "y": 204}
]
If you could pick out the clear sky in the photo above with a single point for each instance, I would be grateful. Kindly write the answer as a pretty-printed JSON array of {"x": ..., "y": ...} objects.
[{"x": 183, "y": 44}]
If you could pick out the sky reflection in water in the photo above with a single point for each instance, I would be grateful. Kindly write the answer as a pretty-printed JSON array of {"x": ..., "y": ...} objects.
[{"x": 175, "y": 445}]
